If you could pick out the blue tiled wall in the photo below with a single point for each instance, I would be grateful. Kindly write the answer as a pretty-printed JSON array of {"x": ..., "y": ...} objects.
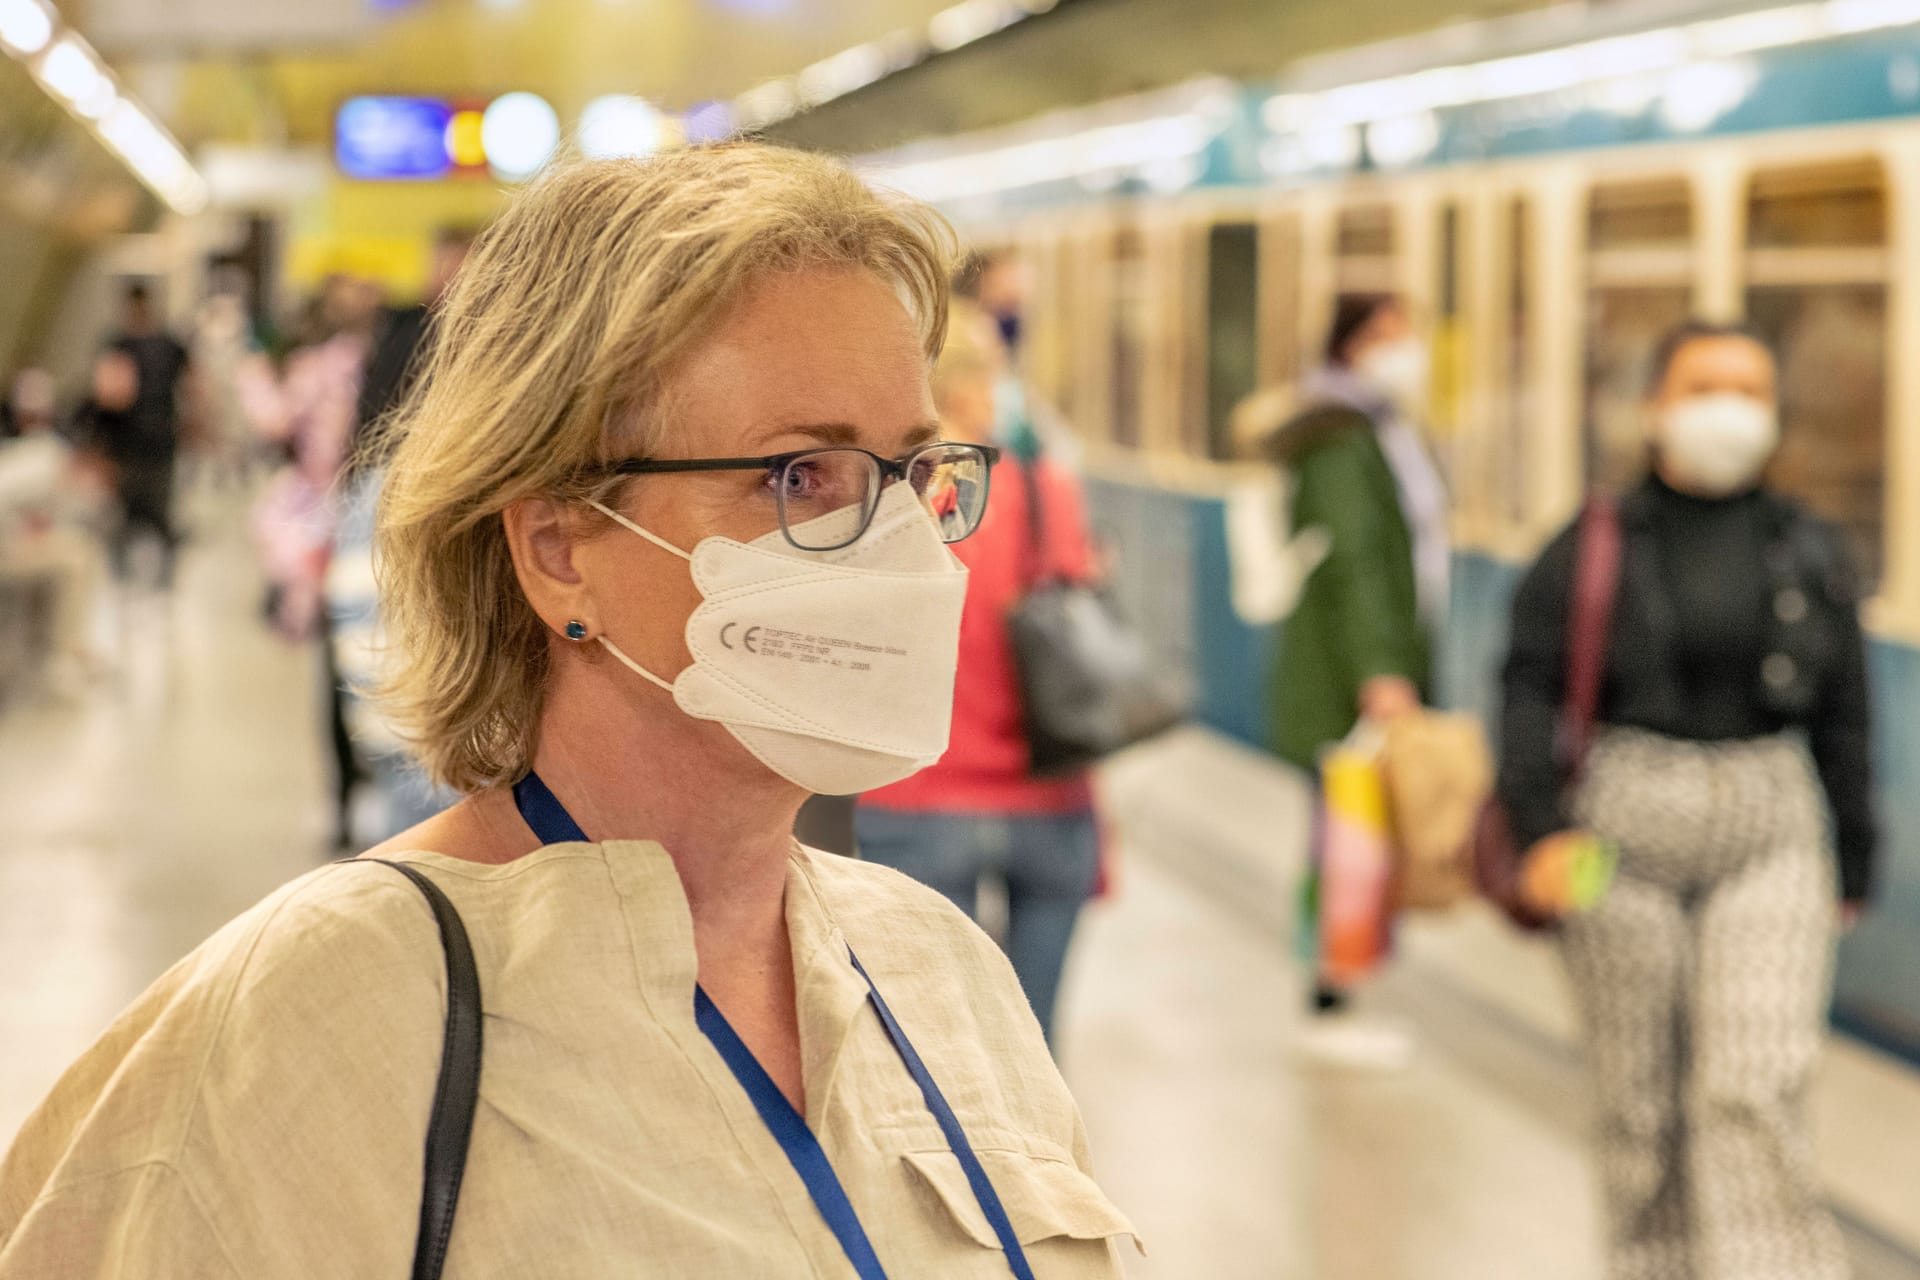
[{"x": 1171, "y": 574}]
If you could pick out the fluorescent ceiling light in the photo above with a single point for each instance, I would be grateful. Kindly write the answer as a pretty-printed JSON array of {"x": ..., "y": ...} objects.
[
  {"x": 25, "y": 26},
  {"x": 1848, "y": 16},
  {"x": 1698, "y": 95},
  {"x": 99, "y": 100},
  {"x": 1666, "y": 51},
  {"x": 844, "y": 72},
  {"x": 619, "y": 125},
  {"x": 969, "y": 21},
  {"x": 767, "y": 104},
  {"x": 69, "y": 69},
  {"x": 1403, "y": 140},
  {"x": 1143, "y": 146},
  {"x": 520, "y": 132},
  {"x": 863, "y": 64},
  {"x": 154, "y": 157}
]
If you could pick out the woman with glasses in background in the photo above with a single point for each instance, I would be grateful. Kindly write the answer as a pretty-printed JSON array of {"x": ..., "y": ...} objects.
[
  {"x": 980, "y": 812},
  {"x": 665, "y": 548}
]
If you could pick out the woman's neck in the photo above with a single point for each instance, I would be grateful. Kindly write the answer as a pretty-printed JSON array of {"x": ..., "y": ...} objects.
[{"x": 630, "y": 765}]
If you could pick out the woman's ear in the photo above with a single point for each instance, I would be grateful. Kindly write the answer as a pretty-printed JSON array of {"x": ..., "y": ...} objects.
[{"x": 542, "y": 536}]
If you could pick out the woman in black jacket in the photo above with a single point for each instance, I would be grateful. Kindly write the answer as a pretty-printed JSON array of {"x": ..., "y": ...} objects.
[{"x": 1732, "y": 773}]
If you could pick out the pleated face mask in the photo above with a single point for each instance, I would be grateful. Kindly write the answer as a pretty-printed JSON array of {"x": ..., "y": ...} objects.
[{"x": 834, "y": 668}]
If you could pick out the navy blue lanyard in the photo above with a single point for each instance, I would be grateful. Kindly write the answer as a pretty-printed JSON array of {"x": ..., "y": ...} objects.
[{"x": 552, "y": 824}]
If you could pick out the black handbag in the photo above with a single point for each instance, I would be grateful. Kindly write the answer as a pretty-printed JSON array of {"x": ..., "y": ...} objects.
[
  {"x": 1088, "y": 683},
  {"x": 454, "y": 1097}
]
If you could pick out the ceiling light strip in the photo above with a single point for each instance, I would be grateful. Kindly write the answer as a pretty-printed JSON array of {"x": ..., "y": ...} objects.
[
  {"x": 1568, "y": 66},
  {"x": 864, "y": 64},
  {"x": 67, "y": 68}
]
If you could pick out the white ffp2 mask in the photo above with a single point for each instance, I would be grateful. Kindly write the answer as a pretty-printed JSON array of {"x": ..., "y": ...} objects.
[
  {"x": 834, "y": 668},
  {"x": 1719, "y": 444},
  {"x": 1400, "y": 371}
]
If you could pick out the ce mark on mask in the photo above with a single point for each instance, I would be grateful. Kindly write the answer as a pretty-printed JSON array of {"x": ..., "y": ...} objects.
[{"x": 746, "y": 639}]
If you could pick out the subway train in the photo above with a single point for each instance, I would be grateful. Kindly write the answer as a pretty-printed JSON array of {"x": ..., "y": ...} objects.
[{"x": 1550, "y": 206}]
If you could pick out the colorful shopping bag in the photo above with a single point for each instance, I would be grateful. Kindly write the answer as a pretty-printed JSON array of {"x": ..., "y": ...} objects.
[{"x": 1356, "y": 863}]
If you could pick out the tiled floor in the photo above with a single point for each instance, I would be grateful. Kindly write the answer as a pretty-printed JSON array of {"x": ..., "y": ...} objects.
[{"x": 134, "y": 822}]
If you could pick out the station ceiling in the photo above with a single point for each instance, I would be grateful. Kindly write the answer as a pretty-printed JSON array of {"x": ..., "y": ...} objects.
[
  {"x": 681, "y": 52},
  {"x": 674, "y": 52},
  {"x": 1100, "y": 49}
]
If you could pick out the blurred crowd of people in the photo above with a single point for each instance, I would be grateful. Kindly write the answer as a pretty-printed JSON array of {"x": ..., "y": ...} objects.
[{"x": 89, "y": 478}]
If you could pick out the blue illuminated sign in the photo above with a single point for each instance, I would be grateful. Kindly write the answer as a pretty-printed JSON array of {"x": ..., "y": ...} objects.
[{"x": 393, "y": 138}]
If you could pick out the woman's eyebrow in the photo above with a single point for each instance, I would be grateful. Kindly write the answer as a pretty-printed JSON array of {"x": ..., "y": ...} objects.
[
  {"x": 925, "y": 433},
  {"x": 846, "y": 434}
]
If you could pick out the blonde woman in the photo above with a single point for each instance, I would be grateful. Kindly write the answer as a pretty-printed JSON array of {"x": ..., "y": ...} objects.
[{"x": 653, "y": 578}]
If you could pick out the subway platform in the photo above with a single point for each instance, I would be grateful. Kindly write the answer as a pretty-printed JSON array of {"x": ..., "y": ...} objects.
[{"x": 142, "y": 814}]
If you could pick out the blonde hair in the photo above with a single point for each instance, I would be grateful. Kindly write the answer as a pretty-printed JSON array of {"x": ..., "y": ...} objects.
[
  {"x": 551, "y": 355},
  {"x": 968, "y": 351}
]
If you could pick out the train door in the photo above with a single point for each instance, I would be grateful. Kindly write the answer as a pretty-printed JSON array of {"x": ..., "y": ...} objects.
[{"x": 1230, "y": 340}]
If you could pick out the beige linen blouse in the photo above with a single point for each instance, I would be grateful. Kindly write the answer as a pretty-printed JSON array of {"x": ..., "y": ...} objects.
[{"x": 261, "y": 1111}]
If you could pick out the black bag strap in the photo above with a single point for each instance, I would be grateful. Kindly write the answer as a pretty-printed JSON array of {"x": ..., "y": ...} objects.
[{"x": 458, "y": 1090}]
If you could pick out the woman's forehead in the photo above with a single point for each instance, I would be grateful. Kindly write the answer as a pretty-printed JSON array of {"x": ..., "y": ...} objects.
[
  {"x": 1732, "y": 356},
  {"x": 804, "y": 349}
]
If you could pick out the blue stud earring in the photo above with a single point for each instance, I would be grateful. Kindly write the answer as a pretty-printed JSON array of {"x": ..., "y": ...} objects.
[{"x": 576, "y": 630}]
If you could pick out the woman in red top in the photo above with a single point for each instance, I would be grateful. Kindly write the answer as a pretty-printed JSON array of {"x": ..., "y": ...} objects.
[{"x": 979, "y": 811}]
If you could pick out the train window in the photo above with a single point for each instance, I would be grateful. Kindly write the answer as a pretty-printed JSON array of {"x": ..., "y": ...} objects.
[
  {"x": 1364, "y": 248},
  {"x": 1640, "y": 285},
  {"x": 1826, "y": 205},
  {"x": 1233, "y": 313},
  {"x": 1132, "y": 320},
  {"x": 1365, "y": 231},
  {"x": 1640, "y": 213},
  {"x": 1816, "y": 290}
]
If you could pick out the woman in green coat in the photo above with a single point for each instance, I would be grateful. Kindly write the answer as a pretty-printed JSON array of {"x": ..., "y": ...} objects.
[{"x": 1360, "y": 641}]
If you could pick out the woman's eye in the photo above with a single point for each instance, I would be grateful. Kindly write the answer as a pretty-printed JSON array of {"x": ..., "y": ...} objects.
[{"x": 797, "y": 479}]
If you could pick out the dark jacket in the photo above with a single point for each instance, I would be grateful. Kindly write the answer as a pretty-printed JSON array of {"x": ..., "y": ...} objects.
[
  {"x": 1804, "y": 670},
  {"x": 399, "y": 354},
  {"x": 1359, "y": 615}
]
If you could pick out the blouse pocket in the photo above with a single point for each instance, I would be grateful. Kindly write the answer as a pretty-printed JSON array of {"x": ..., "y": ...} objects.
[{"x": 1045, "y": 1199}]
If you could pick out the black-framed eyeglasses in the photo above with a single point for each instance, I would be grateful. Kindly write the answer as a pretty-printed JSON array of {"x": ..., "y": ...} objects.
[{"x": 827, "y": 496}]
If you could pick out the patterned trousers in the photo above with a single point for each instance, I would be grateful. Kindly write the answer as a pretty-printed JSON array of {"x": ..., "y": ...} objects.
[{"x": 1702, "y": 982}]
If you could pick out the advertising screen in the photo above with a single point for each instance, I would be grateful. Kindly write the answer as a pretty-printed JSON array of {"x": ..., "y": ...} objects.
[{"x": 393, "y": 138}]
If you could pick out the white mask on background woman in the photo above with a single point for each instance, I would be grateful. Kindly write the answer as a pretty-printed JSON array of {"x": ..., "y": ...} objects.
[
  {"x": 1717, "y": 445},
  {"x": 1398, "y": 370}
]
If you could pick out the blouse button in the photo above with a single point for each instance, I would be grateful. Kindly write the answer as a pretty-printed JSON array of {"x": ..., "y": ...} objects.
[
  {"x": 1790, "y": 605},
  {"x": 1779, "y": 670}
]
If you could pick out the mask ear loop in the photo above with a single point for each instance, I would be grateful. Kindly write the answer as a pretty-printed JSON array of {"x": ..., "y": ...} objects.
[
  {"x": 654, "y": 538},
  {"x": 664, "y": 545},
  {"x": 631, "y": 665}
]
